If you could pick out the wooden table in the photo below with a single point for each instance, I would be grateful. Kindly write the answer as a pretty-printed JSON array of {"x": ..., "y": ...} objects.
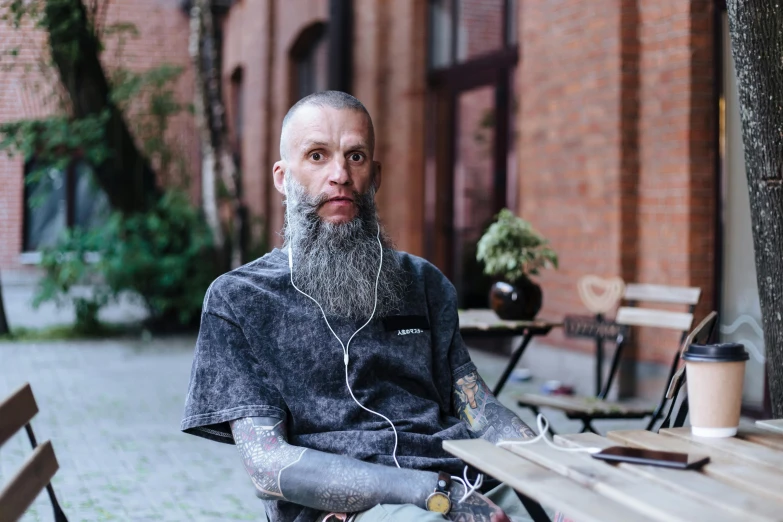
[
  {"x": 743, "y": 481},
  {"x": 484, "y": 323}
]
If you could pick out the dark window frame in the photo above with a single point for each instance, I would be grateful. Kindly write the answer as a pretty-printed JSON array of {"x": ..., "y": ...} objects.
[
  {"x": 69, "y": 175},
  {"x": 445, "y": 84}
]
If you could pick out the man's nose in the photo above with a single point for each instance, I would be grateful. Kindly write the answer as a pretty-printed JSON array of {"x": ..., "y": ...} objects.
[{"x": 339, "y": 173}]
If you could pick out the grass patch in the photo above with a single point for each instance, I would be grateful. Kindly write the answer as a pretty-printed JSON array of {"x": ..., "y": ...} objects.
[{"x": 65, "y": 332}]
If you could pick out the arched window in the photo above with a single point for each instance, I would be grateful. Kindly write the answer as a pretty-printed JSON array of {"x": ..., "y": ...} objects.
[{"x": 310, "y": 62}]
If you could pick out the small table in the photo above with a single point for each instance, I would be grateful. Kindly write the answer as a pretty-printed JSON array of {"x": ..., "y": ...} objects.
[
  {"x": 479, "y": 323},
  {"x": 742, "y": 481}
]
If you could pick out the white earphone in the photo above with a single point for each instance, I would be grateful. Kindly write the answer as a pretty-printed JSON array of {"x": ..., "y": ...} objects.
[{"x": 345, "y": 346}]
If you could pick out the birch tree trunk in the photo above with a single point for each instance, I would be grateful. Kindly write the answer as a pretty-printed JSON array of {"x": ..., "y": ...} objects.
[
  {"x": 756, "y": 30},
  {"x": 217, "y": 163},
  {"x": 209, "y": 201}
]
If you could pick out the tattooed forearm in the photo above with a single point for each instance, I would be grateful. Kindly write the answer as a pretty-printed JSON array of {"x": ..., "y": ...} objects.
[
  {"x": 486, "y": 416},
  {"x": 265, "y": 452},
  {"x": 281, "y": 471}
]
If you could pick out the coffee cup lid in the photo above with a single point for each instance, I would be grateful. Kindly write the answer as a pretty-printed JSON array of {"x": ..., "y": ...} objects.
[{"x": 722, "y": 352}]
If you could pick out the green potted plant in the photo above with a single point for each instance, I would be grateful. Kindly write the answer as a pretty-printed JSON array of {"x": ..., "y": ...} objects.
[{"x": 512, "y": 251}]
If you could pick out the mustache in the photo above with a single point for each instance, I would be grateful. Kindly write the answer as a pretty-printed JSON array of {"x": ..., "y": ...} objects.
[{"x": 316, "y": 202}]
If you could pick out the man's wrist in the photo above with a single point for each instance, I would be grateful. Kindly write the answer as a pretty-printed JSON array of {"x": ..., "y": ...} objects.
[{"x": 455, "y": 492}]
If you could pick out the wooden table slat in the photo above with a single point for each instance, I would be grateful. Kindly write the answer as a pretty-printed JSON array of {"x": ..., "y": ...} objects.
[
  {"x": 702, "y": 487},
  {"x": 731, "y": 470},
  {"x": 772, "y": 424},
  {"x": 543, "y": 485},
  {"x": 581, "y": 404},
  {"x": 742, "y": 449},
  {"x": 660, "y": 502},
  {"x": 486, "y": 319},
  {"x": 761, "y": 436}
]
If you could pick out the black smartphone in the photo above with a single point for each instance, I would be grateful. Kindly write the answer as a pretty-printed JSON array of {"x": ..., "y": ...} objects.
[{"x": 652, "y": 458}]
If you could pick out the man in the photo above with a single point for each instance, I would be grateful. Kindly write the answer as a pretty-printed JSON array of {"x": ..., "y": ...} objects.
[{"x": 335, "y": 364}]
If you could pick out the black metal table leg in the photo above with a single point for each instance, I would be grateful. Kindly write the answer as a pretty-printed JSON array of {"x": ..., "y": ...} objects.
[
  {"x": 513, "y": 362},
  {"x": 537, "y": 513},
  {"x": 587, "y": 427},
  {"x": 599, "y": 358}
]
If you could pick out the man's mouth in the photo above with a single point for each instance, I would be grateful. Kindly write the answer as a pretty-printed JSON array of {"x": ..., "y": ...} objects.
[{"x": 340, "y": 200}]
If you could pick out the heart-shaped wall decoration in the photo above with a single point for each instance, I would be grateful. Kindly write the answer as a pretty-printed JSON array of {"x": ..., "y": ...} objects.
[{"x": 600, "y": 295}]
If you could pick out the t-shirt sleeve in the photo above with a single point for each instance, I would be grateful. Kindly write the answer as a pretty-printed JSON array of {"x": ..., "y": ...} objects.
[
  {"x": 442, "y": 298},
  {"x": 227, "y": 381}
]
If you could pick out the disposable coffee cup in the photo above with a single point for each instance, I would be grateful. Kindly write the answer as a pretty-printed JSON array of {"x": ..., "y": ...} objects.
[{"x": 715, "y": 374}]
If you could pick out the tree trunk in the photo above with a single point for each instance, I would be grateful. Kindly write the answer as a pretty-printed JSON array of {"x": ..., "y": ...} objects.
[
  {"x": 4, "y": 328},
  {"x": 757, "y": 46},
  {"x": 126, "y": 176},
  {"x": 209, "y": 200},
  {"x": 217, "y": 160}
]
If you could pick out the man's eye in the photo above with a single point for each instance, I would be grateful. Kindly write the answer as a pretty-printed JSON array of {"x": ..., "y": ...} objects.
[
  {"x": 356, "y": 157},
  {"x": 316, "y": 156}
]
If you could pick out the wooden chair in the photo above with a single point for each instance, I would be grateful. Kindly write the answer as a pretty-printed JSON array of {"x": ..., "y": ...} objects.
[
  {"x": 588, "y": 409},
  {"x": 702, "y": 334},
  {"x": 37, "y": 472}
]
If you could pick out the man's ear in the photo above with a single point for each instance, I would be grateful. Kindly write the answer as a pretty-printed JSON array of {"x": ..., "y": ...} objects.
[
  {"x": 377, "y": 177},
  {"x": 278, "y": 174}
]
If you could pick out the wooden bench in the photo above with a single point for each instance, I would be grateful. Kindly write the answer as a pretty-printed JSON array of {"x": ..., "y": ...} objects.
[{"x": 16, "y": 412}]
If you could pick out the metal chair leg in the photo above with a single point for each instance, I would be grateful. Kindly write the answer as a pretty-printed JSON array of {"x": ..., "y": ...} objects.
[
  {"x": 59, "y": 516},
  {"x": 512, "y": 363},
  {"x": 679, "y": 421}
]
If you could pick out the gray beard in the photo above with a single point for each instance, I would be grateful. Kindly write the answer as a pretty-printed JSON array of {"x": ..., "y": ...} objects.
[{"x": 337, "y": 263}]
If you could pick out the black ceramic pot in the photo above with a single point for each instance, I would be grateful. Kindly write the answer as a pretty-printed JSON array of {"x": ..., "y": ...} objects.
[{"x": 520, "y": 301}]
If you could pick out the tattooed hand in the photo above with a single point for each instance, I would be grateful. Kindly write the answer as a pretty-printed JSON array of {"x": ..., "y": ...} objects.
[{"x": 477, "y": 508}]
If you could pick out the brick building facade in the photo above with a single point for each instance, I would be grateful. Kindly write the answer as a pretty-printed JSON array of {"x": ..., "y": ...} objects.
[
  {"x": 162, "y": 28},
  {"x": 602, "y": 120},
  {"x": 615, "y": 120}
]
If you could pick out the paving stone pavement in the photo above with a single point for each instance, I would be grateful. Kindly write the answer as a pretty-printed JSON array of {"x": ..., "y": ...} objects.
[{"x": 112, "y": 410}]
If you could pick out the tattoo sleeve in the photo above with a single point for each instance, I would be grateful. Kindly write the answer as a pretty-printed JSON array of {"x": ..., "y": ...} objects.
[
  {"x": 484, "y": 414},
  {"x": 324, "y": 481}
]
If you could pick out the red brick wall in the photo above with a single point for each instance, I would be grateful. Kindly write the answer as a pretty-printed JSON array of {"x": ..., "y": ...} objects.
[
  {"x": 18, "y": 99},
  {"x": 676, "y": 149},
  {"x": 616, "y": 146},
  {"x": 569, "y": 140},
  {"x": 163, "y": 38},
  {"x": 248, "y": 32}
]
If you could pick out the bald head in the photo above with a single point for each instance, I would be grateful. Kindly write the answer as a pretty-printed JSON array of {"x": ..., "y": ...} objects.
[{"x": 332, "y": 99}]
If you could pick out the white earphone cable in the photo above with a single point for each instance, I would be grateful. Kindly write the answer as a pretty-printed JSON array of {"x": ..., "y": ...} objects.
[
  {"x": 543, "y": 428},
  {"x": 469, "y": 488},
  {"x": 345, "y": 347}
]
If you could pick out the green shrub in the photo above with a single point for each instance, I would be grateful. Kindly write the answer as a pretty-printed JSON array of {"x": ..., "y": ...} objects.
[
  {"x": 165, "y": 256},
  {"x": 68, "y": 265}
]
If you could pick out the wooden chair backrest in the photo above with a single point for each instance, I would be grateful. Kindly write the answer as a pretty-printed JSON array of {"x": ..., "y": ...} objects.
[
  {"x": 664, "y": 294},
  {"x": 688, "y": 295},
  {"x": 16, "y": 496},
  {"x": 632, "y": 316}
]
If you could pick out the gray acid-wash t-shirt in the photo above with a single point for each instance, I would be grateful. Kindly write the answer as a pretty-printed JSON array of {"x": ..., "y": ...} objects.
[{"x": 264, "y": 350}]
